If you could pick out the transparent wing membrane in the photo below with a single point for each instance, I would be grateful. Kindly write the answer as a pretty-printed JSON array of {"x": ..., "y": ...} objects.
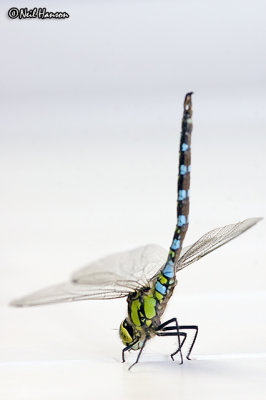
[
  {"x": 111, "y": 277},
  {"x": 212, "y": 241},
  {"x": 137, "y": 265},
  {"x": 119, "y": 274},
  {"x": 67, "y": 292}
]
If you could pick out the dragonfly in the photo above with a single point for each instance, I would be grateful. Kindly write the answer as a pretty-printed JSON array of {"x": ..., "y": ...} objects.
[{"x": 146, "y": 275}]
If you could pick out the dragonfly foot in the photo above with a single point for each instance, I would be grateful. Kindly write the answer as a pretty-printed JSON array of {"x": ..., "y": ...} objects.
[
  {"x": 132, "y": 366},
  {"x": 181, "y": 356}
]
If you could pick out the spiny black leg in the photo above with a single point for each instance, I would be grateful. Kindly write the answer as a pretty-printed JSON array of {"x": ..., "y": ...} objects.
[
  {"x": 169, "y": 328},
  {"x": 137, "y": 360},
  {"x": 124, "y": 350},
  {"x": 129, "y": 347},
  {"x": 194, "y": 327},
  {"x": 184, "y": 334},
  {"x": 181, "y": 345},
  {"x": 172, "y": 334},
  {"x": 163, "y": 328},
  {"x": 166, "y": 323}
]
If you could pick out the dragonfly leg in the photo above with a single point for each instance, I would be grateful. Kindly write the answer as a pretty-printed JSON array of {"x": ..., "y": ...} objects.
[
  {"x": 181, "y": 334},
  {"x": 127, "y": 348},
  {"x": 163, "y": 327},
  {"x": 160, "y": 327},
  {"x": 190, "y": 327},
  {"x": 137, "y": 360},
  {"x": 123, "y": 352}
]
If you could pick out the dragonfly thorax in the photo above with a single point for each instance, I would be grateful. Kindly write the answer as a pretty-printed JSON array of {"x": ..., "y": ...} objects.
[{"x": 145, "y": 307}]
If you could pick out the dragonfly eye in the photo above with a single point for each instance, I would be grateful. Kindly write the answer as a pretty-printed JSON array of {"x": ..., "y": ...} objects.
[{"x": 126, "y": 332}]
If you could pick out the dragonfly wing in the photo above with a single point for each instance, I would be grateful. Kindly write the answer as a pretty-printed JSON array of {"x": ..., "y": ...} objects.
[
  {"x": 111, "y": 277},
  {"x": 68, "y": 291},
  {"x": 212, "y": 241},
  {"x": 138, "y": 265}
]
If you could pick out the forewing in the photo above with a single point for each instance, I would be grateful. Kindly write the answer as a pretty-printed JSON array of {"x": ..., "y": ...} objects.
[
  {"x": 138, "y": 265},
  {"x": 212, "y": 241},
  {"x": 67, "y": 292},
  {"x": 111, "y": 277}
]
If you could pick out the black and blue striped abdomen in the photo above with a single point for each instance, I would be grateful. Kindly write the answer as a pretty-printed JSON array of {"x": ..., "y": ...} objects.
[
  {"x": 147, "y": 305},
  {"x": 166, "y": 278}
]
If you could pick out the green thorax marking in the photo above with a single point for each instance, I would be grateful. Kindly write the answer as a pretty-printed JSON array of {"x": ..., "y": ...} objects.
[
  {"x": 149, "y": 307},
  {"x": 146, "y": 307},
  {"x": 134, "y": 312},
  {"x": 142, "y": 309}
]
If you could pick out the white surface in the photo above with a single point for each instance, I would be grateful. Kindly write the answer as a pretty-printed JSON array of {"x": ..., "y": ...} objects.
[
  {"x": 234, "y": 379},
  {"x": 89, "y": 139}
]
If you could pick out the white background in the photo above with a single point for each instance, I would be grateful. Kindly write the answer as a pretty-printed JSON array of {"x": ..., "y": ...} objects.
[{"x": 90, "y": 119}]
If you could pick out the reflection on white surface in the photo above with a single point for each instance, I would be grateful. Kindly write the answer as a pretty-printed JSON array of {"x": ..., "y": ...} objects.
[
  {"x": 232, "y": 379},
  {"x": 231, "y": 356},
  {"x": 151, "y": 358}
]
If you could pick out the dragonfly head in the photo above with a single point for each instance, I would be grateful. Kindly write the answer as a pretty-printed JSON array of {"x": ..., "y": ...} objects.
[{"x": 129, "y": 334}]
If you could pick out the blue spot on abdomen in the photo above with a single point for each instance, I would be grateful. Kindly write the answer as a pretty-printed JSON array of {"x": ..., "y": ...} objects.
[
  {"x": 168, "y": 270},
  {"x": 181, "y": 220},
  {"x": 184, "y": 147},
  {"x": 183, "y": 169},
  {"x": 160, "y": 288},
  {"x": 175, "y": 244},
  {"x": 182, "y": 194}
]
